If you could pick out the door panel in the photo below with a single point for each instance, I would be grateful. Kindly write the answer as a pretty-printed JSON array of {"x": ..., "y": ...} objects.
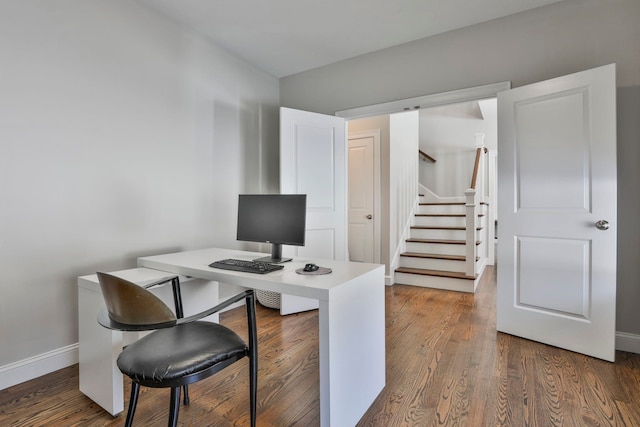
[
  {"x": 320, "y": 243},
  {"x": 557, "y": 178},
  {"x": 565, "y": 261},
  {"x": 314, "y": 157},
  {"x": 552, "y": 146}
]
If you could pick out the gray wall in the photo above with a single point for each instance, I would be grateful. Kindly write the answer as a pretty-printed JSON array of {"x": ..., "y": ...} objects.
[
  {"x": 121, "y": 135},
  {"x": 559, "y": 39}
]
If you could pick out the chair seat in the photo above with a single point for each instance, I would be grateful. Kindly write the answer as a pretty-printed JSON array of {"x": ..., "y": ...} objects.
[{"x": 167, "y": 356}]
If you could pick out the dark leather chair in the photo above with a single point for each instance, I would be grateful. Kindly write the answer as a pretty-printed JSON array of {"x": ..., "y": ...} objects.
[{"x": 180, "y": 350}]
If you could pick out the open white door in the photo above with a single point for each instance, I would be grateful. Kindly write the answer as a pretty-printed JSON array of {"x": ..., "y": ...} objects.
[
  {"x": 557, "y": 210},
  {"x": 313, "y": 153}
]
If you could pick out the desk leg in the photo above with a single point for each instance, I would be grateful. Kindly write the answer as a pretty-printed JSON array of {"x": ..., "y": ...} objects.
[
  {"x": 100, "y": 379},
  {"x": 352, "y": 349}
]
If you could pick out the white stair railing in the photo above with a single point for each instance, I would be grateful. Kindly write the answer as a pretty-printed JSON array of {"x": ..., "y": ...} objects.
[
  {"x": 474, "y": 197},
  {"x": 471, "y": 208}
]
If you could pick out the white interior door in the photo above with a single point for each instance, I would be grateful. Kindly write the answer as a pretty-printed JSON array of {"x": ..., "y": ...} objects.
[
  {"x": 363, "y": 213},
  {"x": 313, "y": 155},
  {"x": 557, "y": 180}
]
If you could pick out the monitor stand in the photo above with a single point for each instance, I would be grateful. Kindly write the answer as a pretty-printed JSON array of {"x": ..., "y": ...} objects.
[{"x": 276, "y": 255}]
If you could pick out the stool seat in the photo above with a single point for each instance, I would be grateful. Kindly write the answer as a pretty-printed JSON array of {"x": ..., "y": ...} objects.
[{"x": 170, "y": 357}]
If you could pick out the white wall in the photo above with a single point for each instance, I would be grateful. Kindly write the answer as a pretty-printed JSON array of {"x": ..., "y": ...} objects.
[
  {"x": 403, "y": 174},
  {"x": 451, "y": 174},
  {"x": 121, "y": 135},
  {"x": 554, "y": 40},
  {"x": 448, "y": 134}
]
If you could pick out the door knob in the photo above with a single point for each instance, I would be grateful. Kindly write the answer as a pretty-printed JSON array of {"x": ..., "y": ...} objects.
[
  {"x": 602, "y": 225},
  {"x": 369, "y": 216}
]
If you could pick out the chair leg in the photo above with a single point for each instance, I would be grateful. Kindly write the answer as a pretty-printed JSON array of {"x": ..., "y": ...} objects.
[
  {"x": 250, "y": 304},
  {"x": 186, "y": 395},
  {"x": 133, "y": 401},
  {"x": 174, "y": 406},
  {"x": 253, "y": 387},
  {"x": 177, "y": 300}
]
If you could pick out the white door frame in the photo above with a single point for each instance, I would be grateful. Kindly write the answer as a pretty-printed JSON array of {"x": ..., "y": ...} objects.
[
  {"x": 426, "y": 101},
  {"x": 375, "y": 134}
]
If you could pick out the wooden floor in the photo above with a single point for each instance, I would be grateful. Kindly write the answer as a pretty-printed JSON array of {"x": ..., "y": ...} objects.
[{"x": 446, "y": 366}]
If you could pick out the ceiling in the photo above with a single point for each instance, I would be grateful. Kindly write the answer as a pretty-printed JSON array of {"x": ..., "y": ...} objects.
[{"x": 284, "y": 37}]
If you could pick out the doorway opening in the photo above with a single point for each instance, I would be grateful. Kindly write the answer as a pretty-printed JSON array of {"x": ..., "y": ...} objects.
[{"x": 376, "y": 117}]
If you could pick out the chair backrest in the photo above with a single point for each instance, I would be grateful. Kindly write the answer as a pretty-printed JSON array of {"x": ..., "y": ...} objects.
[{"x": 131, "y": 304}]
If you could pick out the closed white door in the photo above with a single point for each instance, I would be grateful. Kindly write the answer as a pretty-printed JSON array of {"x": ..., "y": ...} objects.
[
  {"x": 363, "y": 245},
  {"x": 557, "y": 210}
]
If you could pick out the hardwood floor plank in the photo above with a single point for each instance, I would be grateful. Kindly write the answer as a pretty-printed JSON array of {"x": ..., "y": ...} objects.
[{"x": 446, "y": 366}]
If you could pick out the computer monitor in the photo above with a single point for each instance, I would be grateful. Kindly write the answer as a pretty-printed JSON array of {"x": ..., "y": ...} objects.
[{"x": 279, "y": 219}]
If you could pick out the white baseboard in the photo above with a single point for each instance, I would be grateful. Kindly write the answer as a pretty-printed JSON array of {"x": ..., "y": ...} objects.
[
  {"x": 628, "y": 342},
  {"x": 36, "y": 366}
]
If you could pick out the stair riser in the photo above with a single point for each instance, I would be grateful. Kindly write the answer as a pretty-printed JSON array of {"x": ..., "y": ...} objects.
[
  {"x": 448, "y": 209},
  {"x": 436, "y": 248},
  {"x": 417, "y": 233},
  {"x": 445, "y": 221},
  {"x": 445, "y": 208},
  {"x": 452, "y": 284},
  {"x": 439, "y": 221},
  {"x": 433, "y": 264}
]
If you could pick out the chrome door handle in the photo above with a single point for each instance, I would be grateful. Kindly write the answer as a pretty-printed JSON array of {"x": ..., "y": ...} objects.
[
  {"x": 369, "y": 216},
  {"x": 602, "y": 225}
]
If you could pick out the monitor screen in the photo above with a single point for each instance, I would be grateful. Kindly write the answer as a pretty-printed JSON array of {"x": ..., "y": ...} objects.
[{"x": 279, "y": 219}]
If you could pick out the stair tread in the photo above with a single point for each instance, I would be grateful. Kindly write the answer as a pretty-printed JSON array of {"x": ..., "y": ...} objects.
[
  {"x": 438, "y": 273},
  {"x": 444, "y": 241},
  {"x": 445, "y": 214},
  {"x": 435, "y": 256},
  {"x": 441, "y": 203},
  {"x": 447, "y": 203},
  {"x": 436, "y": 227}
]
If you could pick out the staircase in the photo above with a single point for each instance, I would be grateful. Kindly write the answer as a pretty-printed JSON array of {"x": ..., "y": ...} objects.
[{"x": 436, "y": 251}]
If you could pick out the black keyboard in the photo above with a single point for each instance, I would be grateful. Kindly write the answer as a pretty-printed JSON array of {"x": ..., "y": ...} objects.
[{"x": 258, "y": 267}]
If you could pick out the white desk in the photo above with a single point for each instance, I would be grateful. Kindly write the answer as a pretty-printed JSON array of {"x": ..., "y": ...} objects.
[{"x": 351, "y": 320}]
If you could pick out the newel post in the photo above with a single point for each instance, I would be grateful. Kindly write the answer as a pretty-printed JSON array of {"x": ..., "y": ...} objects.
[{"x": 471, "y": 213}]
